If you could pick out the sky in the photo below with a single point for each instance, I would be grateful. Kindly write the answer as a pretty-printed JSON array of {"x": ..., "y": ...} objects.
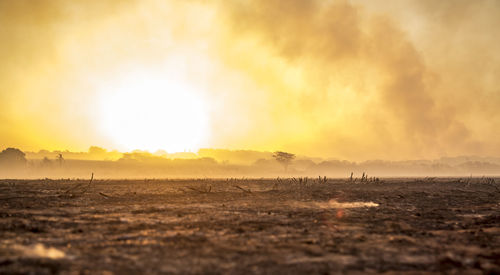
[{"x": 357, "y": 80}]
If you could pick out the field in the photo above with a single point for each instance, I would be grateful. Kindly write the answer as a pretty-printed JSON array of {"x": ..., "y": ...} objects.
[{"x": 250, "y": 226}]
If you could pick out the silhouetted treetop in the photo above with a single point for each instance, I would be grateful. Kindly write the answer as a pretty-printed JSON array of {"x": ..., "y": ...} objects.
[
  {"x": 12, "y": 157},
  {"x": 284, "y": 158}
]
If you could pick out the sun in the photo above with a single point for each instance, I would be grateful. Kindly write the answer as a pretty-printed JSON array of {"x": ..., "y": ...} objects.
[{"x": 152, "y": 112}]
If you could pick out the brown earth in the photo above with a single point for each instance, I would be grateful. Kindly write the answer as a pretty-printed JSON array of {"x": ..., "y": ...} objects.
[{"x": 250, "y": 226}]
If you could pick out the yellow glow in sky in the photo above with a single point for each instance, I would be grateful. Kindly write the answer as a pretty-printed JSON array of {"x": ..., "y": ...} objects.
[
  {"x": 348, "y": 79},
  {"x": 149, "y": 111}
]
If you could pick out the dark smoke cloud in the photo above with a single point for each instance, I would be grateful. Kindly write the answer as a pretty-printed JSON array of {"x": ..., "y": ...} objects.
[{"x": 336, "y": 39}]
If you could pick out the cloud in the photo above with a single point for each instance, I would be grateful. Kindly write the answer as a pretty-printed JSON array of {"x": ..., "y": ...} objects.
[
  {"x": 351, "y": 79},
  {"x": 364, "y": 77}
]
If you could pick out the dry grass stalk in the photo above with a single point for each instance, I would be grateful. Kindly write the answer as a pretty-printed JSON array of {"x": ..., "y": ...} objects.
[{"x": 243, "y": 189}]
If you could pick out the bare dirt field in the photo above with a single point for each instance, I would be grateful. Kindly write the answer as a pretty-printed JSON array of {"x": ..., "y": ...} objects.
[{"x": 250, "y": 226}]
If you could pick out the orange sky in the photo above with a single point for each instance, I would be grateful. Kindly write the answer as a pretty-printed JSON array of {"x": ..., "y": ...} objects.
[{"x": 347, "y": 79}]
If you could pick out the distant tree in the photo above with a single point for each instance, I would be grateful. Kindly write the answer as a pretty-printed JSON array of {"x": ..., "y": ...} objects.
[
  {"x": 284, "y": 158},
  {"x": 46, "y": 162},
  {"x": 60, "y": 160},
  {"x": 12, "y": 157}
]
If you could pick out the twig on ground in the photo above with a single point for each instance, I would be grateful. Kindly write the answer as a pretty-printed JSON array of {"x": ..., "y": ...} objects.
[
  {"x": 73, "y": 188},
  {"x": 88, "y": 186},
  {"x": 244, "y": 190},
  {"x": 104, "y": 195},
  {"x": 200, "y": 191}
]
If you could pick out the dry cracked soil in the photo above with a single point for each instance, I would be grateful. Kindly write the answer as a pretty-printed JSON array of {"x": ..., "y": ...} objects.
[{"x": 240, "y": 226}]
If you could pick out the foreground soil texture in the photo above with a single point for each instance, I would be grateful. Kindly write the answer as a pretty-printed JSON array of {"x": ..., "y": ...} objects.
[{"x": 240, "y": 226}]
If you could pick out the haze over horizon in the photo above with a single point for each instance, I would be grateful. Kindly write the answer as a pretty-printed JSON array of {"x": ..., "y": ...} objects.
[
  {"x": 229, "y": 156},
  {"x": 352, "y": 80}
]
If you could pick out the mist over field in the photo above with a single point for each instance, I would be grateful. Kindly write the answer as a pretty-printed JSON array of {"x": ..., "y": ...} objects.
[{"x": 219, "y": 163}]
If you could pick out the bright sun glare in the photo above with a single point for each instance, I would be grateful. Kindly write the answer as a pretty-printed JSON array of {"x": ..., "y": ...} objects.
[{"x": 152, "y": 112}]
